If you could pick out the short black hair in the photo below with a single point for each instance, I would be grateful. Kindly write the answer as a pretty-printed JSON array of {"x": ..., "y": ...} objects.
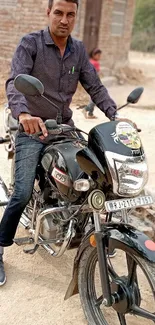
[
  {"x": 50, "y": 2},
  {"x": 94, "y": 52}
]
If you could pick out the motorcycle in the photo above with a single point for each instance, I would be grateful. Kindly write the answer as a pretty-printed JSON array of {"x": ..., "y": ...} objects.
[{"x": 83, "y": 195}]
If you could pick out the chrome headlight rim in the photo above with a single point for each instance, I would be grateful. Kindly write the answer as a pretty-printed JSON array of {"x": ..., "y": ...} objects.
[{"x": 111, "y": 158}]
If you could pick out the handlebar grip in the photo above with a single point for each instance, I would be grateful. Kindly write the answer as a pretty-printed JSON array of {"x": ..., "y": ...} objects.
[{"x": 139, "y": 130}]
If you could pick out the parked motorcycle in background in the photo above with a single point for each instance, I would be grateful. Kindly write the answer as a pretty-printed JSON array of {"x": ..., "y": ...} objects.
[{"x": 80, "y": 188}]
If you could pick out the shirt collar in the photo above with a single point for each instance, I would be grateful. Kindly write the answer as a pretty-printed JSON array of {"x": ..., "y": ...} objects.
[{"x": 49, "y": 41}]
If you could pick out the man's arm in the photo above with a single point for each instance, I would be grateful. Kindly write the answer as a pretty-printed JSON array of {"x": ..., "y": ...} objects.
[
  {"x": 92, "y": 84},
  {"x": 22, "y": 62}
]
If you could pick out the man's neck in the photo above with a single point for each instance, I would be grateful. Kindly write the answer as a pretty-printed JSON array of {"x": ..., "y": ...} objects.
[{"x": 61, "y": 42}]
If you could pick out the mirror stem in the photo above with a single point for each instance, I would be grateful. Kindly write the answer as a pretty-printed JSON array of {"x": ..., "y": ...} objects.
[
  {"x": 122, "y": 106},
  {"x": 51, "y": 102},
  {"x": 59, "y": 117}
]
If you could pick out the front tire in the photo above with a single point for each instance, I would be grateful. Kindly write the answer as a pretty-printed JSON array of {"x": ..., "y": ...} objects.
[{"x": 89, "y": 295}]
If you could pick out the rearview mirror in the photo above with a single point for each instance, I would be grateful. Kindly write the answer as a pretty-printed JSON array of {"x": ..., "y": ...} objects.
[
  {"x": 28, "y": 85},
  {"x": 135, "y": 95}
]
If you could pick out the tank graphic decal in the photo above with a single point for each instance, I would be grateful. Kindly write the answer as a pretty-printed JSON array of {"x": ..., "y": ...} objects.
[
  {"x": 127, "y": 135},
  {"x": 150, "y": 245},
  {"x": 61, "y": 177}
]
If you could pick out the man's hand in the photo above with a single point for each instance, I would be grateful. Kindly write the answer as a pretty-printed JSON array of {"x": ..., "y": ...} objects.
[{"x": 32, "y": 124}]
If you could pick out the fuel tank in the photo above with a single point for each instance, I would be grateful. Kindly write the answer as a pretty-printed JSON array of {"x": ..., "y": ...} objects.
[{"x": 59, "y": 160}]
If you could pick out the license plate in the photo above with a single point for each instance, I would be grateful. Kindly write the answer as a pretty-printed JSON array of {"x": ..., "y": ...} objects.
[{"x": 116, "y": 205}]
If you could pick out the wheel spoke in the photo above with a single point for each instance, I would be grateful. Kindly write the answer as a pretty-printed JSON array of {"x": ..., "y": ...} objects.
[
  {"x": 142, "y": 313},
  {"x": 99, "y": 301},
  {"x": 121, "y": 318},
  {"x": 132, "y": 266},
  {"x": 111, "y": 271}
]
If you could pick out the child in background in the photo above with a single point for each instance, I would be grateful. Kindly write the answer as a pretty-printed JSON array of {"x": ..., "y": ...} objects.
[{"x": 95, "y": 56}]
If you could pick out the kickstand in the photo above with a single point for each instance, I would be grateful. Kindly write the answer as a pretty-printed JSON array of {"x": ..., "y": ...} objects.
[{"x": 31, "y": 250}]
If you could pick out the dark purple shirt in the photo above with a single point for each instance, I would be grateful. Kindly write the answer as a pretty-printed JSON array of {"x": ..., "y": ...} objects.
[{"x": 38, "y": 56}]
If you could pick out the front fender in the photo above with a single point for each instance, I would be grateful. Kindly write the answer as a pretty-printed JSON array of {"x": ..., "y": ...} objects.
[{"x": 121, "y": 236}]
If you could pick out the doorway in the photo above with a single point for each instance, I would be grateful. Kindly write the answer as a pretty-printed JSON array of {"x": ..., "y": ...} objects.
[{"x": 92, "y": 23}]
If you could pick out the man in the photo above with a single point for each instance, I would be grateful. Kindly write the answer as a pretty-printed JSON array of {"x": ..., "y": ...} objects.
[{"x": 59, "y": 61}]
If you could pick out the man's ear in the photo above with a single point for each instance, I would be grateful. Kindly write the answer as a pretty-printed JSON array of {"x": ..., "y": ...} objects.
[{"x": 48, "y": 11}]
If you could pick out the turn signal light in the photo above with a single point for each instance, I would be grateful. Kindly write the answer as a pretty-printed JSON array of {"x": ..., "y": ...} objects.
[
  {"x": 82, "y": 185},
  {"x": 92, "y": 241}
]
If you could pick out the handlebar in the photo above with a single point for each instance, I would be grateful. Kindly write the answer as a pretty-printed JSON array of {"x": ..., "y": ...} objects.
[
  {"x": 61, "y": 128},
  {"x": 56, "y": 129}
]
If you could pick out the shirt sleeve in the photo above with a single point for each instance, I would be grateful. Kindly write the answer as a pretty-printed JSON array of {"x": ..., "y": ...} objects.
[
  {"x": 92, "y": 84},
  {"x": 22, "y": 63}
]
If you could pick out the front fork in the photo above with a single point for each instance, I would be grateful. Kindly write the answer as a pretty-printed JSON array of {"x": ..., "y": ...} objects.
[{"x": 101, "y": 243}]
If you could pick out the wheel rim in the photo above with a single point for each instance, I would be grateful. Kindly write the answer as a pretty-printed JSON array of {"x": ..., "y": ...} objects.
[{"x": 120, "y": 313}]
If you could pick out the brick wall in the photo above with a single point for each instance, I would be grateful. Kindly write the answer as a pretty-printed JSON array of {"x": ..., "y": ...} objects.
[
  {"x": 115, "y": 48},
  {"x": 18, "y": 17}
]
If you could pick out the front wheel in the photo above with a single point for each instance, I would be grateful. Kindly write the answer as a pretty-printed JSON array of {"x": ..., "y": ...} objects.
[{"x": 132, "y": 283}]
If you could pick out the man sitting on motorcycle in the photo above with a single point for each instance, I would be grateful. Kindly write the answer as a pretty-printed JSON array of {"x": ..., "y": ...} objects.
[{"x": 59, "y": 61}]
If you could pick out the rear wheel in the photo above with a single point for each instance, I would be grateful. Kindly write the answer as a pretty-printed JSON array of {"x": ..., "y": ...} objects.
[{"x": 132, "y": 282}]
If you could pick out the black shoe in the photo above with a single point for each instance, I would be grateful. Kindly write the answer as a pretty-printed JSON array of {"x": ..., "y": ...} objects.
[{"x": 2, "y": 272}]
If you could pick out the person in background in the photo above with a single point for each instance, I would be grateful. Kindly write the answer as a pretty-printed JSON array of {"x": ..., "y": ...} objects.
[{"x": 95, "y": 56}]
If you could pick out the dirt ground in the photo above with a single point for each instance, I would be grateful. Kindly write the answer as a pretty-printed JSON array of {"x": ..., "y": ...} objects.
[{"x": 34, "y": 292}]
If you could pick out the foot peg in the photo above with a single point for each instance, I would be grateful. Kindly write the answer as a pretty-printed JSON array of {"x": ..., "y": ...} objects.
[
  {"x": 31, "y": 250},
  {"x": 23, "y": 241}
]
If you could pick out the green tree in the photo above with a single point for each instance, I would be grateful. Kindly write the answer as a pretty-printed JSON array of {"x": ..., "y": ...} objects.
[{"x": 144, "y": 26}]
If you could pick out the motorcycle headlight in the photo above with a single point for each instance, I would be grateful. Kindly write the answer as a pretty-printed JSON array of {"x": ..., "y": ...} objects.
[
  {"x": 129, "y": 174},
  {"x": 132, "y": 177}
]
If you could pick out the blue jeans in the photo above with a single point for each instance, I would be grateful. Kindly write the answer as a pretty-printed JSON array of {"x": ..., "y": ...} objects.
[
  {"x": 90, "y": 108},
  {"x": 27, "y": 156}
]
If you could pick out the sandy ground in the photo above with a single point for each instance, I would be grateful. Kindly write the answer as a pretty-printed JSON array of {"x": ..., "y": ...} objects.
[{"x": 36, "y": 284}]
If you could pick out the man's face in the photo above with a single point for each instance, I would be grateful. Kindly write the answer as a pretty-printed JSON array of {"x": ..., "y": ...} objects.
[{"x": 62, "y": 18}]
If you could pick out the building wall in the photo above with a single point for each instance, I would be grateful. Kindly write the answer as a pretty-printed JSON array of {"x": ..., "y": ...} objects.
[
  {"x": 18, "y": 17},
  {"x": 115, "y": 48}
]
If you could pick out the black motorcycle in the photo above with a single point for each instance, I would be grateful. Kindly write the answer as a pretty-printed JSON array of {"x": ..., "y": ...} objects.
[{"x": 92, "y": 185}]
